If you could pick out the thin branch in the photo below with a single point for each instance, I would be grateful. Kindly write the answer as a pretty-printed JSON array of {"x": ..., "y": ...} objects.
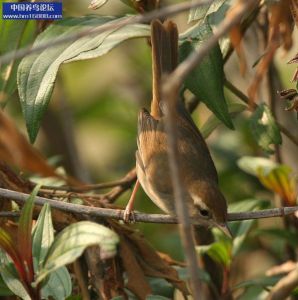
[
  {"x": 155, "y": 14},
  {"x": 125, "y": 182},
  {"x": 9, "y": 214},
  {"x": 170, "y": 98},
  {"x": 284, "y": 286},
  {"x": 139, "y": 217},
  {"x": 245, "y": 99}
]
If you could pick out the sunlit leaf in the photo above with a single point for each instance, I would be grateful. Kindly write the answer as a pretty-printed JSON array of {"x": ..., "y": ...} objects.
[
  {"x": 252, "y": 165},
  {"x": 96, "y": 4},
  {"x": 73, "y": 240},
  {"x": 14, "y": 34},
  {"x": 43, "y": 235},
  {"x": 275, "y": 177},
  {"x": 11, "y": 279},
  {"x": 24, "y": 243},
  {"x": 264, "y": 128},
  {"x": 218, "y": 251},
  {"x": 206, "y": 80},
  {"x": 37, "y": 73},
  {"x": 201, "y": 12},
  {"x": 58, "y": 286}
]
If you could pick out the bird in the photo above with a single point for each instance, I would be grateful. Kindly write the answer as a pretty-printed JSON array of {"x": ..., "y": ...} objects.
[{"x": 205, "y": 202}]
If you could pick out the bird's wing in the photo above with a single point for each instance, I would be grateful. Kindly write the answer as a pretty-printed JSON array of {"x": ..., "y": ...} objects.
[
  {"x": 152, "y": 152},
  {"x": 194, "y": 147}
]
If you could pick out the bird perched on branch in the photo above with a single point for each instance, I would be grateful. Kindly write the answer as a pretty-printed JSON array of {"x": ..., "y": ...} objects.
[{"x": 205, "y": 202}]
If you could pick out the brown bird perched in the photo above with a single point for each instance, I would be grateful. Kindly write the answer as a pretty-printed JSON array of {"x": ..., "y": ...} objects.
[{"x": 205, "y": 202}]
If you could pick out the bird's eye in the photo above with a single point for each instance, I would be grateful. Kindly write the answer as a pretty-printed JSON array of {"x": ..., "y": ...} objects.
[{"x": 204, "y": 213}]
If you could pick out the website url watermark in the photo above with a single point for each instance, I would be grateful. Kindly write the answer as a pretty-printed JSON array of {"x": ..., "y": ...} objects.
[{"x": 31, "y": 11}]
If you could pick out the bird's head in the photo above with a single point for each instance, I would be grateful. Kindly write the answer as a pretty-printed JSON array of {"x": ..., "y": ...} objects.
[{"x": 209, "y": 205}]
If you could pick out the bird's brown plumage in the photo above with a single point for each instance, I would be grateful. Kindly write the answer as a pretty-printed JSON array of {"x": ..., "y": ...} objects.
[{"x": 199, "y": 173}]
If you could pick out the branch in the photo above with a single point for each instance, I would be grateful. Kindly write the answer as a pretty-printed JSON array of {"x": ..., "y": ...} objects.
[
  {"x": 124, "y": 183},
  {"x": 284, "y": 286},
  {"x": 139, "y": 217},
  {"x": 145, "y": 18},
  {"x": 254, "y": 106},
  {"x": 170, "y": 98}
]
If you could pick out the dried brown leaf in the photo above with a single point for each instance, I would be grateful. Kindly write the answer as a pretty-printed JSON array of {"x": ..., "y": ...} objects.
[
  {"x": 294, "y": 60},
  {"x": 137, "y": 282},
  {"x": 150, "y": 262},
  {"x": 280, "y": 34},
  {"x": 294, "y": 11},
  {"x": 16, "y": 150},
  {"x": 236, "y": 38},
  {"x": 261, "y": 71}
]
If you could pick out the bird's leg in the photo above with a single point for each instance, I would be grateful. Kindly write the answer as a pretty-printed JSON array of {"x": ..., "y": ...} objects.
[{"x": 128, "y": 215}]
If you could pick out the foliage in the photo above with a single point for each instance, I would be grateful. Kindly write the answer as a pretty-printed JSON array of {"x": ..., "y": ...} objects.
[
  {"x": 103, "y": 96},
  {"x": 37, "y": 260}
]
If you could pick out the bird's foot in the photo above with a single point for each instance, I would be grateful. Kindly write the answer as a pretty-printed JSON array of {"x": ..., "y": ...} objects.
[{"x": 129, "y": 216}]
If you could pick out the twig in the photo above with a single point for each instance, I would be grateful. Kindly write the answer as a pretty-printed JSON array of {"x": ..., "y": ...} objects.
[
  {"x": 9, "y": 214},
  {"x": 155, "y": 14},
  {"x": 86, "y": 187},
  {"x": 170, "y": 98},
  {"x": 139, "y": 217},
  {"x": 125, "y": 182},
  {"x": 284, "y": 286},
  {"x": 245, "y": 99}
]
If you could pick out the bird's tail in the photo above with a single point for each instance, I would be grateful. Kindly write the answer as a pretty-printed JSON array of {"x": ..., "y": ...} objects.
[{"x": 164, "y": 41}]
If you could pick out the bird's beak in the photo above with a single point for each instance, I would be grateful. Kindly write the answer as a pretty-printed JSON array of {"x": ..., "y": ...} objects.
[{"x": 225, "y": 229}]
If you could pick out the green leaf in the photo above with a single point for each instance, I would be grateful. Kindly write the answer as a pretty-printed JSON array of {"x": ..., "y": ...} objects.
[
  {"x": 24, "y": 234},
  {"x": 206, "y": 81},
  {"x": 14, "y": 34},
  {"x": 264, "y": 128},
  {"x": 58, "y": 286},
  {"x": 73, "y": 240},
  {"x": 4, "y": 290},
  {"x": 11, "y": 279},
  {"x": 37, "y": 72},
  {"x": 218, "y": 251},
  {"x": 42, "y": 235},
  {"x": 240, "y": 229},
  {"x": 201, "y": 12}
]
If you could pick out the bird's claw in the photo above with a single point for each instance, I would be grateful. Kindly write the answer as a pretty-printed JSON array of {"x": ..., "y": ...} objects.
[{"x": 129, "y": 216}]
